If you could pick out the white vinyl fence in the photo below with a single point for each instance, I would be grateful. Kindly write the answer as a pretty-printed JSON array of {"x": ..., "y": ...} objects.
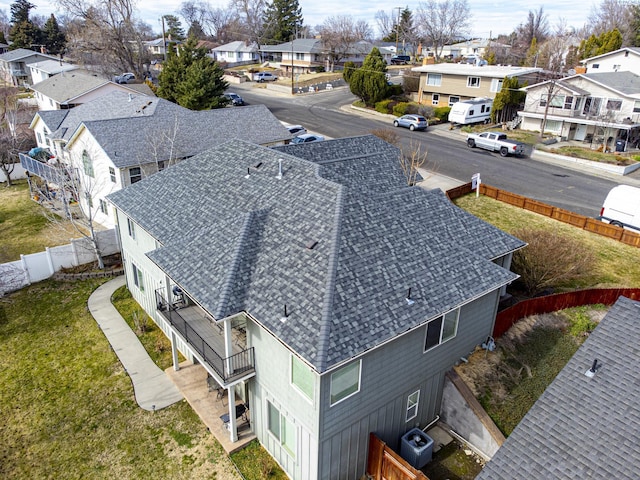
[{"x": 39, "y": 266}]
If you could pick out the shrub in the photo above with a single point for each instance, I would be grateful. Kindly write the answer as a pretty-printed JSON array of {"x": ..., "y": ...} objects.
[
  {"x": 550, "y": 259},
  {"x": 349, "y": 68},
  {"x": 388, "y": 135},
  {"x": 400, "y": 108},
  {"x": 384, "y": 106},
  {"x": 441, "y": 113},
  {"x": 395, "y": 90},
  {"x": 320, "y": 69}
]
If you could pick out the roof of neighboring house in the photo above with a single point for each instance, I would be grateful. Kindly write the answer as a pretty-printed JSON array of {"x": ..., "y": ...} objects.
[
  {"x": 562, "y": 83},
  {"x": 237, "y": 46},
  {"x": 341, "y": 263},
  {"x": 583, "y": 427},
  {"x": 627, "y": 83},
  {"x": 300, "y": 45},
  {"x": 65, "y": 87},
  {"x": 52, "y": 67},
  {"x": 478, "y": 43},
  {"x": 22, "y": 53},
  {"x": 493, "y": 71},
  {"x": 634, "y": 50}
]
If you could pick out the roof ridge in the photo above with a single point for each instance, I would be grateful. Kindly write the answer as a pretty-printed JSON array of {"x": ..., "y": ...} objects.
[
  {"x": 330, "y": 285},
  {"x": 227, "y": 288}
]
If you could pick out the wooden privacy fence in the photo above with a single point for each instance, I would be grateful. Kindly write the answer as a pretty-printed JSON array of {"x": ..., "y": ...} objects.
[
  {"x": 559, "y": 301},
  {"x": 585, "y": 223},
  {"x": 385, "y": 464}
]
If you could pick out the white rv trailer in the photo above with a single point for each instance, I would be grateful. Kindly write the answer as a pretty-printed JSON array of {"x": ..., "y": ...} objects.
[{"x": 475, "y": 110}]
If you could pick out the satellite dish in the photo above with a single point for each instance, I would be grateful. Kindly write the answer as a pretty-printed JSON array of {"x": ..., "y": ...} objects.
[{"x": 572, "y": 71}]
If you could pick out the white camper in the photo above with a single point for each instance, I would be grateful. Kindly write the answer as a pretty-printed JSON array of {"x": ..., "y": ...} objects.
[
  {"x": 475, "y": 110},
  {"x": 622, "y": 207}
]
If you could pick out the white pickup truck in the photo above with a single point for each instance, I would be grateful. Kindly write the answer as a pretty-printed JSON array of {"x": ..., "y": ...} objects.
[{"x": 496, "y": 142}]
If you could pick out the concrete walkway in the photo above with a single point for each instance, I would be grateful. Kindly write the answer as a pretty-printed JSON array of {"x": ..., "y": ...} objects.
[{"x": 152, "y": 387}]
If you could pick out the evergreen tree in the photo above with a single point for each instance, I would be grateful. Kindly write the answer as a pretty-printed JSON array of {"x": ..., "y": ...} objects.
[
  {"x": 402, "y": 30},
  {"x": 283, "y": 19},
  {"x": 53, "y": 37},
  {"x": 23, "y": 32},
  {"x": 604, "y": 43},
  {"x": 195, "y": 30},
  {"x": 174, "y": 29},
  {"x": 369, "y": 81},
  {"x": 192, "y": 79},
  {"x": 532, "y": 54},
  {"x": 349, "y": 68},
  {"x": 507, "y": 101}
]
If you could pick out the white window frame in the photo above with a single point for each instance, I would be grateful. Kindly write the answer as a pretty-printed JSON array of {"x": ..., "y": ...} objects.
[
  {"x": 103, "y": 207},
  {"x": 435, "y": 99},
  {"x": 434, "y": 79},
  {"x": 636, "y": 106},
  {"x": 138, "y": 277},
  {"x": 87, "y": 164},
  {"x": 473, "y": 82},
  {"x": 137, "y": 176},
  {"x": 614, "y": 102},
  {"x": 112, "y": 174},
  {"x": 451, "y": 102},
  {"x": 280, "y": 434},
  {"x": 443, "y": 321},
  {"x": 301, "y": 366},
  {"x": 333, "y": 402},
  {"x": 131, "y": 228},
  {"x": 412, "y": 404},
  {"x": 496, "y": 85}
]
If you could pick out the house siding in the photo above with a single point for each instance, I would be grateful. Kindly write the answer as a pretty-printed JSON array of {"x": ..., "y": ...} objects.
[
  {"x": 630, "y": 63},
  {"x": 389, "y": 374},
  {"x": 456, "y": 85}
]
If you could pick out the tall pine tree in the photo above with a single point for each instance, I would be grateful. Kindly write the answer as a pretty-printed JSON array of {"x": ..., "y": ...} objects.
[
  {"x": 53, "y": 37},
  {"x": 192, "y": 79},
  {"x": 369, "y": 81},
  {"x": 23, "y": 32},
  {"x": 283, "y": 19}
]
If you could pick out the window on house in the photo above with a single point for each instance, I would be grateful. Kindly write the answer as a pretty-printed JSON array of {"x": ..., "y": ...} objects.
[
  {"x": 614, "y": 104},
  {"x": 138, "y": 278},
  {"x": 87, "y": 163},
  {"x": 441, "y": 329},
  {"x": 345, "y": 382},
  {"x": 557, "y": 101},
  {"x": 554, "y": 126},
  {"x": 636, "y": 106},
  {"x": 39, "y": 135},
  {"x": 595, "y": 65},
  {"x": 282, "y": 429},
  {"x": 135, "y": 175},
  {"x": 434, "y": 79},
  {"x": 412, "y": 405},
  {"x": 103, "y": 207},
  {"x": 453, "y": 100},
  {"x": 161, "y": 165},
  {"x": 568, "y": 102},
  {"x": 435, "y": 99},
  {"x": 473, "y": 82},
  {"x": 496, "y": 84},
  {"x": 131, "y": 227},
  {"x": 299, "y": 56},
  {"x": 543, "y": 100},
  {"x": 302, "y": 377},
  {"x": 112, "y": 174}
]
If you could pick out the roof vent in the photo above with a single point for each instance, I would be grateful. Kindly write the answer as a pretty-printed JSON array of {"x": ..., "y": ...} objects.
[
  {"x": 279, "y": 176},
  {"x": 248, "y": 173},
  {"x": 409, "y": 300},
  {"x": 257, "y": 165},
  {"x": 130, "y": 97},
  {"x": 286, "y": 314},
  {"x": 311, "y": 244},
  {"x": 594, "y": 368}
]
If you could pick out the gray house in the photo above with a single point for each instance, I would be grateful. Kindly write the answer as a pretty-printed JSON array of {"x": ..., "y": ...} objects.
[
  {"x": 331, "y": 307},
  {"x": 14, "y": 65},
  {"x": 585, "y": 424}
]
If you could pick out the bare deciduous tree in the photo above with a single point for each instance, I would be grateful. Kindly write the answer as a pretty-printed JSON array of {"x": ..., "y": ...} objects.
[
  {"x": 411, "y": 160},
  {"x": 339, "y": 34},
  {"x": 252, "y": 14},
  {"x": 443, "y": 22},
  {"x": 612, "y": 14},
  {"x": 14, "y": 137},
  {"x": 385, "y": 23}
]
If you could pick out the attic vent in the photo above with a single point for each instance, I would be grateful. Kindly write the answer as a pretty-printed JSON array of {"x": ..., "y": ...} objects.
[
  {"x": 594, "y": 368},
  {"x": 409, "y": 300},
  {"x": 311, "y": 244},
  {"x": 286, "y": 314},
  {"x": 257, "y": 165}
]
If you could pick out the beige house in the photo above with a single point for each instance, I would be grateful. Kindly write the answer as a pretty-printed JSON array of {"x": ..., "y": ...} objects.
[{"x": 444, "y": 84}]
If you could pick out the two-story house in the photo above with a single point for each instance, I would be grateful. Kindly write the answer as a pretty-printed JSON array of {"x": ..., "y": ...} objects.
[
  {"x": 236, "y": 53},
  {"x": 69, "y": 89},
  {"x": 120, "y": 138},
  {"x": 625, "y": 59},
  {"x": 333, "y": 308},
  {"x": 48, "y": 68},
  {"x": 444, "y": 84},
  {"x": 14, "y": 65},
  {"x": 596, "y": 107}
]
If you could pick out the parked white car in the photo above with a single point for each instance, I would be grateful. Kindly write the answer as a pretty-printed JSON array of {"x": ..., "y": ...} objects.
[
  {"x": 296, "y": 130},
  {"x": 264, "y": 77},
  {"x": 307, "y": 138}
]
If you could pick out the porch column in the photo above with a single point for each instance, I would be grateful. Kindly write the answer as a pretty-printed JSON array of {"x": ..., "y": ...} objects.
[
  {"x": 233, "y": 428},
  {"x": 506, "y": 264},
  {"x": 174, "y": 351},
  {"x": 228, "y": 351}
]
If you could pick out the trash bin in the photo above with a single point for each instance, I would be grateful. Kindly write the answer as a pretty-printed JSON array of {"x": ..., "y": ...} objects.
[
  {"x": 416, "y": 447},
  {"x": 620, "y": 144}
]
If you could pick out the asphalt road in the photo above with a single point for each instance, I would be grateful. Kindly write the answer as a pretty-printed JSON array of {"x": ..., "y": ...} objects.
[{"x": 580, "y": 191}]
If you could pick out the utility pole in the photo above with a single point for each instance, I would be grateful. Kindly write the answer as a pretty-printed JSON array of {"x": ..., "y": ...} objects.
[
  {"x": 397, "y": 28},
  {"x": 164, "y": 42}
]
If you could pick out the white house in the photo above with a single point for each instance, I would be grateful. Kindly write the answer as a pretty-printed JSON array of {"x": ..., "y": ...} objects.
[
  {"x": 236, "y": 53},
  {"x": 14, "y": 65},
  {"x": 48, "y": 68},
  {"x": 626, "y": 59}
]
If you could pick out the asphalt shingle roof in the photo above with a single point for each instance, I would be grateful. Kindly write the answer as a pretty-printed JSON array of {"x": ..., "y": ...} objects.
[
  {"x": 583, "y": 427},
  {"x": 623, "y": 82},
  {"x": 20, "y": 53},
  {"x": 241, "y": 244}
]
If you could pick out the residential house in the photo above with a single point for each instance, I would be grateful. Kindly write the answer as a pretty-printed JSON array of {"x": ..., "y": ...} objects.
[
  {"x": 48, "y": 68},
  {"x": 593, "y": 107},
  {"x": 120, "y": 138},
  {"x": 332, "y": 307},
  {"x": 585, "y": 424},
  {"x": 236, "y": 53},
  {"x": 156, "y": 47},
  {"x": 444, "y": 84},
  {"x": 70, "y": 89},
  {"x": 625, "y": 59},
  {"x": 477, "y": 47},
  {"x": 14, "y": 68}
]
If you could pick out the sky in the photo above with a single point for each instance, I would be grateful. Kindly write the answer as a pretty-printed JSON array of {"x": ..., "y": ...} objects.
[{"x": 489, "y": 18}]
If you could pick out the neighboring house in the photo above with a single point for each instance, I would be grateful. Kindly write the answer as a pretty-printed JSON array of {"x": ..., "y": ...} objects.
[
  {"x": 477, "y": 47},
  {"x": 583, "y": 426},
  {"x": 236, "y": 53},
  {"x": 156, "y": 47},
  {"x": 626, "y": 59},
  {"x": 444, "y": 84},
  {"x": 14, "y": 65},
  {"x": 598, "y": 107},
  {"x": 332, "y": 307},
  {"x": 48, "y": 68},
  {"x": 70, "y": 89},
  {"x": 120, "y": 138}
]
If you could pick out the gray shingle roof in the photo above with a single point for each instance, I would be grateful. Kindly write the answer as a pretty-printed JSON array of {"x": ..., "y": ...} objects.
[
  {"x": 627, "y": 83},
  {"x": 240, "y": 244},
  {"x": 69, "y": 85},
  {"x": 21, "y": 53},
  {"x": 53, "y": 67},
  {"x": 583, "y": 427}
]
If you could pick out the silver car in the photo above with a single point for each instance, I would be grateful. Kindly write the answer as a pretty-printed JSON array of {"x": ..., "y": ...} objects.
[{"x": 412, "y": 122}]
